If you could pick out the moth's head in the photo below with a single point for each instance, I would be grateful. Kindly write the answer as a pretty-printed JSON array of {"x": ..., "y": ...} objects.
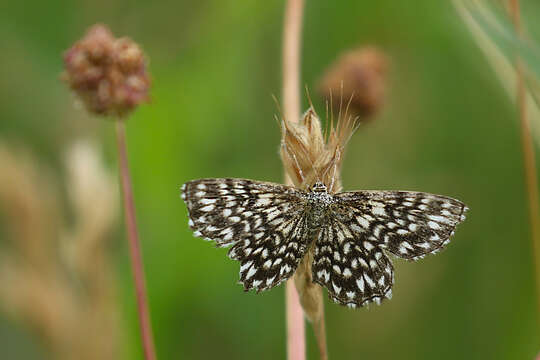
[{"x": 319, "y": 187}]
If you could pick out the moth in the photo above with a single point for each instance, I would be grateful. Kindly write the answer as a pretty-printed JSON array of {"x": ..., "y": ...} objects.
[{"x": 270, "y": 228}]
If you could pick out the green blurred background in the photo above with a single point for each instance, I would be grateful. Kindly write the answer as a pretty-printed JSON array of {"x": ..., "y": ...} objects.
[{"x": 447, "y": 128}]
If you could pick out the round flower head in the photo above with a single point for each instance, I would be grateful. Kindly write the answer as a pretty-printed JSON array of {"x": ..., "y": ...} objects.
[
  {"x": 358, "y": 76},
  {"x": 107, "y": 73}
]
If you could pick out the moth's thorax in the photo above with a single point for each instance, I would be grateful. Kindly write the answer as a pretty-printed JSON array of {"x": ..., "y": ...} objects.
[{"x": 318, "y": 203}]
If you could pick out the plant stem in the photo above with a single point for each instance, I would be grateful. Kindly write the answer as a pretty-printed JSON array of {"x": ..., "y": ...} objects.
[
  {"x": 292, "y": 29},
  {"x": 296, "y": 343},
  {"x": 134, "y": 246},
  {"x": 529, "y": 163},
  {"x": 320, "y": 335}
]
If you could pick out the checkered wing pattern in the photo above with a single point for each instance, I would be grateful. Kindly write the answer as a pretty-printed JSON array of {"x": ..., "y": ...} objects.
[
  {"x": 349, "y": 258},
  {"x": 408, "y": 224},
  {"x": 354, "y": 270},
  {"x": 264, "y": 222}
]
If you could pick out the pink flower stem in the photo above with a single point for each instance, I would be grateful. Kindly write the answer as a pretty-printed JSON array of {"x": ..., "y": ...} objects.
[
  {"x": 292, "y": 29},
  {"x": 134, "y": 246},
  {"x": 296, "y": 343}
]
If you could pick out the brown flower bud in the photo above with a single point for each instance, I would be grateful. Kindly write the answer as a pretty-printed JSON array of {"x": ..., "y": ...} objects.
[
  {"x": 108, "y": 74},
  {"x": 362, "y": 74}
]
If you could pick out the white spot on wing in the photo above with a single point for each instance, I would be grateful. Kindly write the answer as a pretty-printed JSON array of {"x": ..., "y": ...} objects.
[
  {"x": 208, "y": 208},
  {"x": 362, "y": 221},
  {"x": 262, "y": 202},
  {"x": 360, "y": 284},
  {"x": 227, "y": 234},
  {"x": 252, "y": 271},
  {"x": 245, "y": 266},
  {"x": 440, "y": 219},
  {"x": 369, "y": 281},
  {"x": 368, "y": 246},
  {"x": 407, "y": 245},
  {"x": 207, "y": 201},
  {"x": 363, "y": 262}
]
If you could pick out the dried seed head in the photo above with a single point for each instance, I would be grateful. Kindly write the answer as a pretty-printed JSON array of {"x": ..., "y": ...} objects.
[
  {"x": 359, "y": 76},
  {"x": 108, "y": 74},
  {"x": 309, "y": 156}
]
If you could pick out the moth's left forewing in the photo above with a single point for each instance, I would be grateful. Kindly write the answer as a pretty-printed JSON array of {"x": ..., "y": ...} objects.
[
  {"x": 226, "y": 210},
  {"x": 408, "y": 224},
  {"x": 264, "y": 222}
]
